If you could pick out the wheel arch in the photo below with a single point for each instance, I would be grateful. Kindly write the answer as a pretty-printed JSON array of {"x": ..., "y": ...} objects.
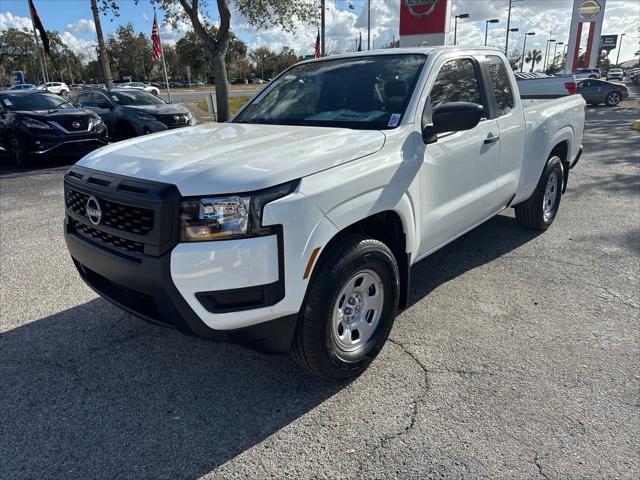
[{"x": 388, "y": 226}]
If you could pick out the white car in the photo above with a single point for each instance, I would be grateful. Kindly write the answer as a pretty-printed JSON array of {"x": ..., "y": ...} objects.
[
  {"x": 295, "y": 224},
  {"x": 137, "y": 86},
  {"x": 60, "y": 88},
  {"x": 581, "y": 73},
  {"x": 615, "y": 74},
  {"x": 22, "y": 87}
]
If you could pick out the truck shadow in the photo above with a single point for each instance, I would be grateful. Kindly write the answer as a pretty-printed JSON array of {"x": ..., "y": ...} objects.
[
  {"x": 492, "y": 239},
  {"x": 91, "y": 392}
]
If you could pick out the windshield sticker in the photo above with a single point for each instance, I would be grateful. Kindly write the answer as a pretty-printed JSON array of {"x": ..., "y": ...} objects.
[
  {"x": 394, "y": 120},
  {"x": 7, "y": 102},
  {"x": 115, "y": 98}
]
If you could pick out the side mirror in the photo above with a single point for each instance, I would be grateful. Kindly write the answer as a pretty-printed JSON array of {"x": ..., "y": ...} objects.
[
  {"x": 105, "y": 106},
  {"x": 452, "y": 117}
]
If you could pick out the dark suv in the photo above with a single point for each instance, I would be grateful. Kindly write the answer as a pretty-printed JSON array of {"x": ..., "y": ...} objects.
[
  {"x": 37, "y": 124},
  {"x": 130, "y": 113}
]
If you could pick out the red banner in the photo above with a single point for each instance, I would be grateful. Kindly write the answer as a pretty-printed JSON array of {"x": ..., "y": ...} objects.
[{"x": 423, "y": 16}]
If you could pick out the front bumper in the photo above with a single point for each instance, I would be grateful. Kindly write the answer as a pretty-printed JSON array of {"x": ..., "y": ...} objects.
[{"x": 228, "y": 289}]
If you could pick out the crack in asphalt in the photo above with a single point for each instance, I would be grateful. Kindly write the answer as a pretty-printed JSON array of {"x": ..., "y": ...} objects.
[{"x": 536, "y": 457}]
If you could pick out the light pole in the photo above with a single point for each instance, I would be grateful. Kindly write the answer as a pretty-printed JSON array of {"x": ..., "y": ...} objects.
[
  {"x": 455, "y": 28},
  {"x": 486, "y": 28},
  {"x": 553, "y": 62},
  {"x": 546, "y": 54},
  {"x": 524, "y": 49},
  {"x": 369, "y": 25},
  {"x": 619, "y": 48}
]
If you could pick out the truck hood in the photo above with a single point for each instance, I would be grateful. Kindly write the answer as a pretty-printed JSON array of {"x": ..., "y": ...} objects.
[{"x": 232, "y": 157}]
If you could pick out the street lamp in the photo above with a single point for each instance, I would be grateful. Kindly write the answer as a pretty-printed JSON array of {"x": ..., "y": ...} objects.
[
  {"x": 486, "y": 28},
  {"x": 524, "y": 49},
  {"x": 546, "y": 53},
  {"x": 455, "y": 28},
  {"x": 619, "y": 48}
]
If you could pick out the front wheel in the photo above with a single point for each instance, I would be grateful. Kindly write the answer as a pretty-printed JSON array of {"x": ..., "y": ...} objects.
[
  {"x": 349, "y": 311},
  {"x": 18, "y": 151},
  {"x": 539, "y": 211},
  {"x": 613, "y": 99}
]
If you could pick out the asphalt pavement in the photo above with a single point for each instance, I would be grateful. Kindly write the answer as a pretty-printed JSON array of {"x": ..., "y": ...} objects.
[{"x": 518, "y": 358}]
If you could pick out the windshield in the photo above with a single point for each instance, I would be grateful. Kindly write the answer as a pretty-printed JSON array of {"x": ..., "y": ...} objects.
[
  {"x": 135, "y": 97},
  {"x": 35, "y": 101},
  {"x": 363, "y": 92}
]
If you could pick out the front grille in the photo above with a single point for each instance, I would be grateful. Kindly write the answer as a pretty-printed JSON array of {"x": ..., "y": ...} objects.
[
  {"x": 67, "y": 123},
  {"x": 174, "y": 119},
  {"x": 115, "y": 215},
  {"x": 106, "y": 239}
]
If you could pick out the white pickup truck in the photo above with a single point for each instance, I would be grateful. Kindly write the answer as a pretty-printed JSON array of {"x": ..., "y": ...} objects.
[{"x": 295, "y": 224}]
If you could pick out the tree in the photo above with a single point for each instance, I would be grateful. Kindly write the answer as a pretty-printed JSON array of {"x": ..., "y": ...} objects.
[
  {"x": 259, "y": 13},
  {"x": 533, "y": 56},
  {"x": 514, "y": 57},
  {"x": 130, "y": 54},
  {"x": 102, "y": 49}
]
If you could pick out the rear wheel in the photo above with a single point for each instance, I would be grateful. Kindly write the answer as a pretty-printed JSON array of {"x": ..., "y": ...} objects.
[
  {"x": 613, "y": 99},
  {"x": 349, "y": 310},
  {"x": 539, "y": 211}
]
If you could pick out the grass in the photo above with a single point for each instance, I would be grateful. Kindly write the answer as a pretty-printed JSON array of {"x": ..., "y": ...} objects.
[{"x": 234, "y": 104}]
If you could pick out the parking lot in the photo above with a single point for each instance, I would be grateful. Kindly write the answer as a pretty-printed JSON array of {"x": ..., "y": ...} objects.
[{"x": 518, "y": 358}]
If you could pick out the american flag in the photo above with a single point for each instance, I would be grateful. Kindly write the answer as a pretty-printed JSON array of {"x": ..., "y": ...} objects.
[
  {"x": 155, "y": 40},
  {"x": 316, "y": 53}
]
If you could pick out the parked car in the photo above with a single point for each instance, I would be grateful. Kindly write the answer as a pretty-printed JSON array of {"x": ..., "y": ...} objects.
[
  {"x": 615, "y": 74},
  {"x": 130, "y": 112},
  {"x": 60, "y": 88},
  {"x": 601, "y": 91},
  {"x": 76, "y": 87},
  {"x": 137, "y": 86},
  {"x": 587, "y": 73},
  {"x": 36, "y": 125},
  {"x": 22, "y": 87},
  {"x": 296, "y": 223},
  {"x": 541, "y": 85}
]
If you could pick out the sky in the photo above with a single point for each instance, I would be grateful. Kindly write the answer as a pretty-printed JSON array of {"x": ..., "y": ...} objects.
[{"x": 345, "y": 19}]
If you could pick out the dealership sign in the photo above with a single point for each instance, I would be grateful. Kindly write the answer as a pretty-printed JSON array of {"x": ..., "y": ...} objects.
[
  {"x": 608, "y": 42},
  {"x": 589, "y": 9},
  {"x": 420, "y": 8}
]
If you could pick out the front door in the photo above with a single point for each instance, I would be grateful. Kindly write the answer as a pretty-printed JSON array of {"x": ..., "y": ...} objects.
[{"x": 458, "y": 175}]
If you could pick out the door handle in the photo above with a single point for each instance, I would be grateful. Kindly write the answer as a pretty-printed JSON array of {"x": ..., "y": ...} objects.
[{"x": 491, "y": 138}]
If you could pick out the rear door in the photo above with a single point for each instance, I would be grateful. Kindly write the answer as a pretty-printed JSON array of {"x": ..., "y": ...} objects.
[
  {"x": 507, "y": 111},
  {"x": 458, "y": 187}
]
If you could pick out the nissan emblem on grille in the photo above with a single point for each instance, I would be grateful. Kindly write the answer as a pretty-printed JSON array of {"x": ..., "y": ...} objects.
[
  {"x": 94, "y": 210},
  {"x": 75, "y": 124}
]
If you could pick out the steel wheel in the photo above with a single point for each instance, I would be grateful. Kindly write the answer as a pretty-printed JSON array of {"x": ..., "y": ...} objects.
[
  {"x": 550, "y": 197},
  {"x": 613, "y": 99},
  {"x": 357, "y": 310}
]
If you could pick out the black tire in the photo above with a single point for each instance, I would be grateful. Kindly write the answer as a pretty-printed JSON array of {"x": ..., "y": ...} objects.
[
  {"x": 612, "y": 99},
  {"x": 315, "y": 347},
  {"x": 124, "y": 131},
  {"x": 18, "y": 151},
  {"x": 531, "y": 213}
]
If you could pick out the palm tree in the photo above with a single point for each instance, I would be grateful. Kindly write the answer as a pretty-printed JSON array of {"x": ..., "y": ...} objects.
[
  {"x": 533, "y": 56},
  {"x": 102, "y": 50}
]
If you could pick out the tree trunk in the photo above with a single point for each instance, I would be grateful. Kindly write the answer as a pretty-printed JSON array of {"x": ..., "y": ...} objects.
[
  {"x": 106, "y": 70},
  {"x": 222, "y": 88}
]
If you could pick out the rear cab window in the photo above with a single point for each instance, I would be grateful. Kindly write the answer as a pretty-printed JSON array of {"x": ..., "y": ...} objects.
[{"x": 500, "y": 85}]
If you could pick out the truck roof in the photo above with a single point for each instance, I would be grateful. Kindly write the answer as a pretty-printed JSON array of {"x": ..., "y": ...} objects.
[{"x": 408, "y": 50}]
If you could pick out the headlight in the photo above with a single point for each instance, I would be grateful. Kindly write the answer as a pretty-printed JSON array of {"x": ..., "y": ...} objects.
[
  {"x": 229, "y": 216},
  {"x": 145, "y": 117},
  {"x": 32, "y": 123}
]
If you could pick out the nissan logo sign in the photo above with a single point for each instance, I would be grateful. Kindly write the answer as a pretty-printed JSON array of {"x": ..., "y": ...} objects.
[
  {"x": 421, "y": 8},
  {"x": 589, "y": 9},
  {"x": 94, "y": 210},
  {"x": 75, "y": 124}
]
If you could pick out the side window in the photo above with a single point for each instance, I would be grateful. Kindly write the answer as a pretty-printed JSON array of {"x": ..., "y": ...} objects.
[
  {"x": 81, "y": 99},
  {"x": 500, "y": 85},
  {"x": 457, "y": 81}
]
